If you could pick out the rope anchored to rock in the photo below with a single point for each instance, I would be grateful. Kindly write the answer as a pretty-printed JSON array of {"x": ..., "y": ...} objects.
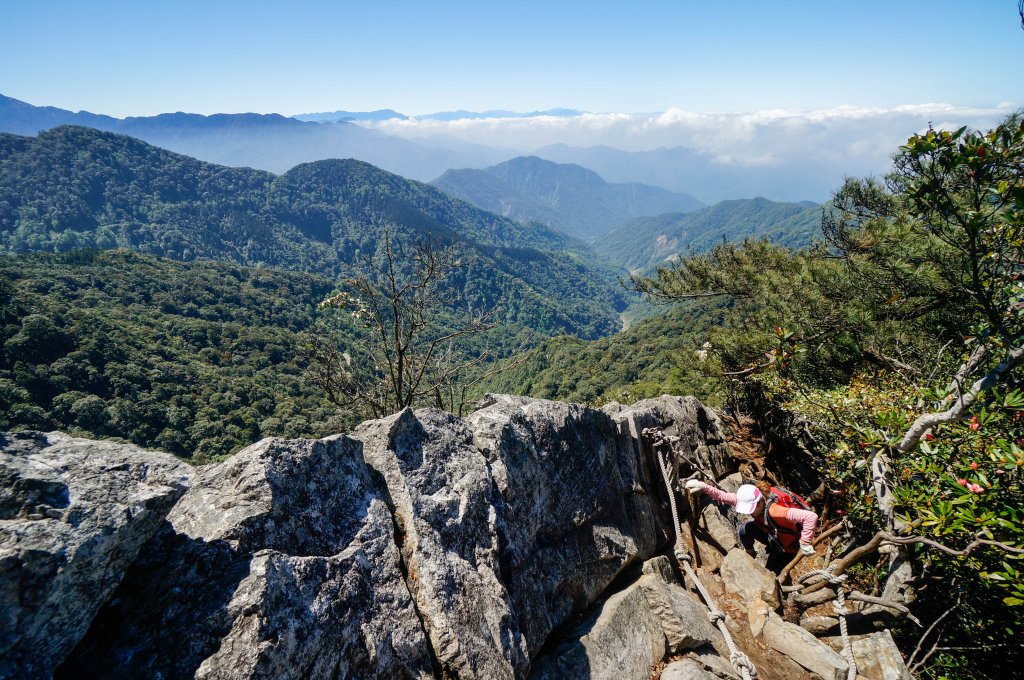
[
  {"x": 841, "y": 611},
  {"x": 740, "y": 661}
]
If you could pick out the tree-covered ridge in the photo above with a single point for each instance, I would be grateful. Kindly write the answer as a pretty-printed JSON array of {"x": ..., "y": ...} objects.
[
  {"x": 75, "y": 187},
  {"x": 650, "y": 241},
  {"x": 567, "y": 197},
  {"x": 199, "y": 359}
]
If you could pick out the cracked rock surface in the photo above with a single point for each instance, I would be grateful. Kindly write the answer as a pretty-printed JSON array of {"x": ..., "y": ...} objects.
[
  {"x": 279, "y": 563},
  {"x": 440, "y": 489},
  {"x": 74, "y": 514},
  {"x": 572, "y": 512}
]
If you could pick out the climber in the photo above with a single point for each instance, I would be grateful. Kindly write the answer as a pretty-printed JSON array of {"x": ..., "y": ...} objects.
[{"x": 780, "y": 519}]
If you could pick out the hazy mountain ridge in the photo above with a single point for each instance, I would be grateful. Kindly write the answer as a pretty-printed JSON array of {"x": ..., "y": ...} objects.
[
  {"x": 266, "y": 141},
  {"x": 331, "y": 116},
  {"x": 277, "y": 143},
  {"x": 76, "y": 187},
  {"x": 459, "y": 114},
  {"x": 698, "y": 173},
  {"x": 567, "y": 197},
  {"x": 650, "y": 241}
]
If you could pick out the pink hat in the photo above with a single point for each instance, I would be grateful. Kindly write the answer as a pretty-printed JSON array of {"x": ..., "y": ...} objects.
[{"x": 747, "y": 497}]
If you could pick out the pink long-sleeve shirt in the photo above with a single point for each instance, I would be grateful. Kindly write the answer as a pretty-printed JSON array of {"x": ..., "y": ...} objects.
[{"x": 807, "y": 520}]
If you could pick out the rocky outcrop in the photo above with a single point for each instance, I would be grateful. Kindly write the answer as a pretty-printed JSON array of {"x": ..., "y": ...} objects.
[
  {"x": 525, "y": 540},
  {"x": 804, "y": 648},
  {"x": 572, "y": 506},
  {"x": 687, "y": 669},
  {"x": 876, "y": 656},
  {"x": 701, "y": 433},
  {"x": 74, "y": 514},
  {"x": 279, "y": 563},
  {"x": 748, "y": 582},
  {"x": 630, "y": 632},
  {"x": 444, "y": 506}
]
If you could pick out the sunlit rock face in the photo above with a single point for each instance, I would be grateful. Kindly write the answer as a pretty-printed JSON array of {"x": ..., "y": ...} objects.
[{"x": 280, "y": 562}]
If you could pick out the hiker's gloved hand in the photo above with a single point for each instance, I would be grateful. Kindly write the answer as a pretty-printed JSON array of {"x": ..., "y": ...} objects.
[
  {"x": 807, "y": 549},
  {"x": 695, "y": 485}
]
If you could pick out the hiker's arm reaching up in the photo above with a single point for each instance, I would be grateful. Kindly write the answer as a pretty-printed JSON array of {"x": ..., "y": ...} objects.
[{"x": 716, "y": 495}]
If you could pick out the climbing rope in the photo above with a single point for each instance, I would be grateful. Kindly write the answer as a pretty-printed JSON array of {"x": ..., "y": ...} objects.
[
  {"x": 841, "y": 611},
  {"x": 740, "y": 661}
]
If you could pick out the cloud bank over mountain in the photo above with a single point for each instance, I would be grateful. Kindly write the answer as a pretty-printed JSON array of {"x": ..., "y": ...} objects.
[{"x": 826, "y": 144}]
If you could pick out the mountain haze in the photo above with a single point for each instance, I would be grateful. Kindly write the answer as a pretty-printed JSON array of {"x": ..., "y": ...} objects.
[
  {"x": 709, "y": 178},
  {"x": 328, "y": 116},
  {"x": 266, "y": 141},
  {"x": 566, "y": 197}
]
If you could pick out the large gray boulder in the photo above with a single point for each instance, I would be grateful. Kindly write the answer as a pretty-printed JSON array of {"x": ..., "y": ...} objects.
[
  {"x": 629, "y": 633},
  {"x": 876, "y": 655},
  {"x": 444, "y": 503},
  {"x": 802, "y": 647},
  {"x": 687, "y": 669},
  {"x": 701, "y": 433},
  {"x": 748, "y": 582},
  {"x": 279, "y": 563},
  {"x": 73, "y": 516},
  {"x": 573, "y": 509}
]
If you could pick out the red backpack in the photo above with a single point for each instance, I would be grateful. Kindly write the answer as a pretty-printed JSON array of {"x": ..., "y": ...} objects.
[{"x": 786, "y": 499}]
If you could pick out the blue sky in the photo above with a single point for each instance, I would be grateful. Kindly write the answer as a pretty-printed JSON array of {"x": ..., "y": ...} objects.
[{"x": 142, "y": 58}]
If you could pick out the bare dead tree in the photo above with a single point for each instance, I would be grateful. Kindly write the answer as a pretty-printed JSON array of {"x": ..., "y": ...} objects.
[{"x": 411, "y": 352}]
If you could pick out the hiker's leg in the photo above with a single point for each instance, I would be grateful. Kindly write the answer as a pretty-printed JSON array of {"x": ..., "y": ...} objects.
[
  {"x": 750, "y": 532},
  {"x": 777, "y": 560}
]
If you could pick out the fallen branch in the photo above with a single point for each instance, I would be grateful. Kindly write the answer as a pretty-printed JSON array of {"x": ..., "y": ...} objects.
[
  {"x": 976, "y": 543},
  {"x": 861, "y": 597},
  {"x": 889, "y": 362},
  {"x": 799, "y": 556},
  {"x": 910, "y": 662},
  {"x": 812, "y": 598}
]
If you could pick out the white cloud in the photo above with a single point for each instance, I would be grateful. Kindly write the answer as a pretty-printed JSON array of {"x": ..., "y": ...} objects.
[
  {"x": 782, "y": 154},
  {"x": 867, "y": 136}
]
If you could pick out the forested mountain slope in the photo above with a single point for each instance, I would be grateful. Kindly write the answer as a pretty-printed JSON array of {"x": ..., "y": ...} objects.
[
  {"x": 569, "y": 198},
  {"x": 649, "y": 241},
  {"x": 198, "y": 359},
  {"x": 74, "y": 187}
]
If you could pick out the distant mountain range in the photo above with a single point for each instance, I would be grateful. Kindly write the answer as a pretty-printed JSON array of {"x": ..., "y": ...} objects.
[
  {"x": 277, "y": 143},
  {"x": 264, "y": 141},
  {"x": 460, "y": 114},
  {"x": 75, "y": 187},
  {"x": 566, "y": 197},
  {"x": 650, "y": 241},
  {"x": 330, "y": 116}
]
